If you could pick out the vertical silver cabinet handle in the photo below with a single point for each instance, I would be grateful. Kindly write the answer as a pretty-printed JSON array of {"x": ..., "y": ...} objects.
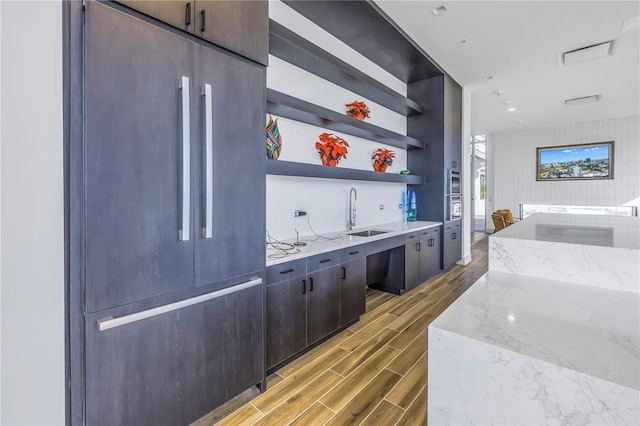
[
  {"x": 183, "y": 234},
  {"x": 207, "y": 230}
]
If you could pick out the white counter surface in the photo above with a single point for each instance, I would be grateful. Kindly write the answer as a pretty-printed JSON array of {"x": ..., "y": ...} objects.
[
  {"x": 590, "y": 330},
  {"x": 607, "y": 231},
  {"x": 600, "y": 251},
  {"x": 318, "y": 246}
]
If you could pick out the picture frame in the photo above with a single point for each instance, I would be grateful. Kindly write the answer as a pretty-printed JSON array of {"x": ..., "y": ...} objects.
[{"x": 588, "y": 161}]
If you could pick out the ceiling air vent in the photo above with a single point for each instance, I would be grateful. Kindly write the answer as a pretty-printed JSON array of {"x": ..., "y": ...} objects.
[
  {"x": 581, "y": 101},
  {"x": 440, "y": 10},
  {"x": 588, "y": 53}
]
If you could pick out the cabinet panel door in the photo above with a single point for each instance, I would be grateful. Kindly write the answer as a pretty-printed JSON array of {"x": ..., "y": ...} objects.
[
  {"x": 179, "y": 14},
  {"x": 132, "y": 161},
  {"x": 353, "y": 285},
  {"x": 323, "y": 303},
  {"x": 175, "y": 367},
  {"x": 239, "y": 26},
  {"x": 412, "y": 265},
  {"x": 435, "y": 255},
  {"x": 236, "y": 246},
  {"x": 451, "y": 251},
  {"x": 286, "y": 319}
]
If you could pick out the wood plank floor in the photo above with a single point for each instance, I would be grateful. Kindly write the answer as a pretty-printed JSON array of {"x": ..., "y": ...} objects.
[{"x": 373, "y": 373}]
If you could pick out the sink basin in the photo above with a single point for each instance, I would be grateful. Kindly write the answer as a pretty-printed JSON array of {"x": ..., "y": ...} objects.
[{"x": 367, "y": 233}]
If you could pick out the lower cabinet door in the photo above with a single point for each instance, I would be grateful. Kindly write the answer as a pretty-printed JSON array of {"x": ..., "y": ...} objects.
[
  {"x": 174, "y": 367},
  {"x": 323, "y": 307},
  {"x": 353, "y": 285},
  {"x": 433, "y": 265},
  {"x": 452, "y": 247},
  {"x": 286, "y": 319},
  {"x": 412, "y": 264}
]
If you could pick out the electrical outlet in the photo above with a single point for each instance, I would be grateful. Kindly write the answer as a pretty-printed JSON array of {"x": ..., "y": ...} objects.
[
  {"x": 381, "y": 206},
  {"x": 299, "y": 213}
]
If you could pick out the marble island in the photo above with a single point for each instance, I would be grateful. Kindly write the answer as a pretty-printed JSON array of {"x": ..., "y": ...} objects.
[{"x": 520, "y": 348}]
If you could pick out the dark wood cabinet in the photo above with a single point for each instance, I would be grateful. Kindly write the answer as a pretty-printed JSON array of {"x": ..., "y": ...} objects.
[
  {"x": 132, "y": 160},
  {"x": 323, "y": 303},
  {"x": 422, "y": 257},
  {"x": 234, "y": 250},
  {"x": 451, "y": 244},
  {"x": 239, "y": 26},
  {"x": 140, "y": 188},
  {"x": 174, "y": 367},
  {"x": 412, "y": 261},
  {"x": 286, "y": 319},
  {"x": 169, "y": 135},
  {"x": 353, "y": 283}
]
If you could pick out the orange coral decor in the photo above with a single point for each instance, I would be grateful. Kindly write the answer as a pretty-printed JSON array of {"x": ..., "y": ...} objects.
[
  {"x": 358, "y": 110},
  {"x": 331, "y": 149},
  {"x": 384, "y": 158}
]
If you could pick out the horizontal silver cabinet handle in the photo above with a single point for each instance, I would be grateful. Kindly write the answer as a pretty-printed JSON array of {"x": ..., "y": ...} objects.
[{"x": 110, "y": 322}]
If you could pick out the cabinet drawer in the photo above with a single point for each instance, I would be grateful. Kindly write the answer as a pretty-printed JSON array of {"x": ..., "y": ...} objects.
[
  {"x": 322, "y": 261},
  {"x": 386, "y": 244},
  {"x": 414, "y": 236},
  {"x": 284, "y": 271},
  {"x": 353, "y": 253}
]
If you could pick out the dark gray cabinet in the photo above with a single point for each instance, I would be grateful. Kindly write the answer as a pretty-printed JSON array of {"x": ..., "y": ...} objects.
[
  {"x": 422, "y": 257},
  {"x": 142, "y": 186},
  {"x": 174, "y": 367},
  {"x": 304, "y": 303},
  {"x": 353, "y": 284},
  {"x": 286, "y": 319},
  {"x": 132, "y": 160},
  {"x": 170, "y": 133},
  {"x": 239, "y": 26},
  {"x": 452, "y": 244},
  {"x": 234, "y": 250},
  {"x": 323, "y": 303}
]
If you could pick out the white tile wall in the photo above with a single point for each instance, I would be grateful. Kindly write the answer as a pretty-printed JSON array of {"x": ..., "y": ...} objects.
[{"x": 514, "y": 166}]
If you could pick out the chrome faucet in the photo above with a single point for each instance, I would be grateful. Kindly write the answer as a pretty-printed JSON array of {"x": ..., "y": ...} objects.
[{"x": 352, "y": 208}]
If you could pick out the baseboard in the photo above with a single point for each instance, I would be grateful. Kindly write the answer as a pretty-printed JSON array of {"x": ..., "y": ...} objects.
[{"x": 465, "y": 260}]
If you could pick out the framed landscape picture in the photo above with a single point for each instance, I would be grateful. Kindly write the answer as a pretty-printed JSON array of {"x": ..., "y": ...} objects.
[{"x": 575, "y": 162}]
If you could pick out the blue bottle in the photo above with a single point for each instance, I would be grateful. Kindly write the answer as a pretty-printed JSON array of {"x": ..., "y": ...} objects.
[{"x": 412, "y": 206}]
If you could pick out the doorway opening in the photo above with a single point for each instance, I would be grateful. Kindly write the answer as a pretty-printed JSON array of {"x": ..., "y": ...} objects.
[{"x": 479, "y": 185}]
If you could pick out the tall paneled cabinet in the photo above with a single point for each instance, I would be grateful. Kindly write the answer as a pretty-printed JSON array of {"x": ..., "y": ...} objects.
[{"x": 168, "y": 186}]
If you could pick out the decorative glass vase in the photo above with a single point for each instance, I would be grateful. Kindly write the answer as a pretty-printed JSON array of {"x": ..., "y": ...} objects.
[{"x": 274, "y": 139}]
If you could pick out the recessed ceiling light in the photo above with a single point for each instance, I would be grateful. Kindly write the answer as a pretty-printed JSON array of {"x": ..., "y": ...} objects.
[
  {"x": 582, "y": 100},
  {"x": 498, "y": 92},
  {"x": 519, "y": 121},
  {"x": 487, "y": 78},
  {"x": 439, "y": 10},
  {"x": 511, "y": 109},
  {"x": 506, "y": 102},
  {"x": 464, "y": 41},
  {"x": 631, "y": 24}
]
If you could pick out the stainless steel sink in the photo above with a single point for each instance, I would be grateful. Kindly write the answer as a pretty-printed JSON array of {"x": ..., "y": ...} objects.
[{"x": 367, "y": 233}]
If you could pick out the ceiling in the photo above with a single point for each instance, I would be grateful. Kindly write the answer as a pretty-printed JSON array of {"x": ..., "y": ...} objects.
[{"x": 517, "y": 42}]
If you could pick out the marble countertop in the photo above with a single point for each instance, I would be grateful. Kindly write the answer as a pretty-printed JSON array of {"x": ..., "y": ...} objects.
[
  {"x": 596, "y": 230},
  {"x": 591, "y": 330},
  {"x": 339, "y": 240}
]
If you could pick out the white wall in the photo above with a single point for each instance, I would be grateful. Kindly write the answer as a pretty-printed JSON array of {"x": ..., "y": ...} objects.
[
  {"x": 326, "y": 200},
  {"x": 468, "y": 222},
  {"x": 0, "y": 213},
  {"x": 514, "y": 164},
  {"x": 31, "y": 194}
]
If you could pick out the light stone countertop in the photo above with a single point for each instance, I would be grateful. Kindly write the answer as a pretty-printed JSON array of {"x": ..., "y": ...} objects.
[
  {"x": 596, "y": 230},
  {"x": 319, "y": 246},
  {"x": 591, "y": 330}
]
